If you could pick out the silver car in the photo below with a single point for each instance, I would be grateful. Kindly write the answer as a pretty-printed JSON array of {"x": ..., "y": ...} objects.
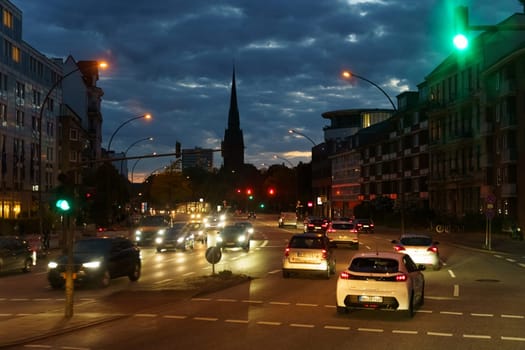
[
  {"x": 309, "y": 252},
  {"x": 421, "y": 248}
]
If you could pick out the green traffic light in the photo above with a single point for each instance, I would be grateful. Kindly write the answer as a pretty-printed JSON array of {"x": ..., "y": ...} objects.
[
  {"x": 460, "y": 41},
  {"x": 63, "y": 205}
]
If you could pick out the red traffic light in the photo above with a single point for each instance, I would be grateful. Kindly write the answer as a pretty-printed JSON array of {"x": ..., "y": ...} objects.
[
  {"x": 249, "y": 191},
  {"x": 271, "y": 191}
]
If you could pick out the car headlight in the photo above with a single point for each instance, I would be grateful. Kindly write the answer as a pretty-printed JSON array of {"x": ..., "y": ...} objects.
[
  {"x": 52, "y": 265},
  {"x": 161, "y": 231},
  {"x": 180, "y": 239},
  {"x": 222, "y": 224},
  {"x": 91, "y": 265},
  {"x": 138, "y": 233},
  {"x": 241, "y": 238},
  {"x": 158, "y": 240},
  {"x": 219, "y": 239},
  {"x": 250, "y": 231}
]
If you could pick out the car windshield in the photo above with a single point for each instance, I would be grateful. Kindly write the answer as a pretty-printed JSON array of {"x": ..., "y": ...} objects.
[
  {"x": 343, "y": 226},
  {"x": 233, "y": 229},
  {"x": 194, "y": 226},
  {"x": 153, "y": 221},
  {"x": 91, "y": 245},
  {"x": 307, "y": 243},
  {"x": 373, "y": 264},
  {"x": 422, "y": 241}
]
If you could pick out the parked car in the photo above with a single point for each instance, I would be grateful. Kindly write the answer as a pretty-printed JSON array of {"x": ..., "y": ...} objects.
[
  {"x": 381, "y": 280},
  {"x": 315, "y": 224},
  {"x": 309, "y": 252},
  {"x": 287, "y": 219},
  {"x": 96, "y": 261},
  {"x": 232, "y": 236},
  {"x": 421, "y": 248},
  {"x": 15, "y": 254},
  {"x": 364, "y": 225},
  {"x": 178, "y": 236},
  {"x": 343, "y": 232}
]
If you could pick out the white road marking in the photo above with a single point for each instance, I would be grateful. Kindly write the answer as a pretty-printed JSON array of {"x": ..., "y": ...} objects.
[
  {"x": 521, "y": 264},
  {"x": 188, "y": 273},
  {"x": 268, "y": 323},
  {"x": 513, "y": 316},
  {"x": 375, "y": 330},
  {"x": 175, "y": 317},
  {"x": 301, "y": 325},
  {"x": 451, "y": 273},
  {"x": 476, "y": 336},
  {"x": 481, "y": 315},
  {"x": 279, "y": 303},
  {"x": 339, "y": 328},
  {"x": 304, "y": 304},
  {"x": 439, "y": 334},
  {"x": 205, "y": 318},
  {"x": 253, "y": 301},
  {"x": 236, "y": 321},
  {"x": 164, "y": 281},
  {"x": 228, "y": 300},
  {"x": 451, "y": 313},
  {"x": 456, "y": 290},
  {"x": 513, "y": 338},
  {"x": 274, "y": 272},
  {"x": 200, "y": 299},
  {"x": 398, "y": 331},
  {"x": 511, "y": 260},
  {"x": 145, "y": 315}
]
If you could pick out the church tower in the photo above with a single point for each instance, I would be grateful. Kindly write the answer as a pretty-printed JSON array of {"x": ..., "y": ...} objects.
[{"x": 233, "y": 143}]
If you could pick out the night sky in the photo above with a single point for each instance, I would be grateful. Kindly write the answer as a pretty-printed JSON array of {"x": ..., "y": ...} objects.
[{"x": 174, "y": 59}]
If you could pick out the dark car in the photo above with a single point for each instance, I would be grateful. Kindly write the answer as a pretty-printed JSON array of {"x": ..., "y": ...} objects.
[
  {"x": 98, "y": 260},
  {"x": 233, "y": 236},
  {"x": 179, "y": 236},
  {"x": 364, "y": 225},
  {"x": 15, "y": 254},
  {"x": 315, "y": 224}
]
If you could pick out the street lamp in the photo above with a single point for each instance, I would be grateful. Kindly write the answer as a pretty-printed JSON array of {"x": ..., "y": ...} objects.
[
  {"x": 98, "y": 64},
  {"x": 292, "y": 131},
  {"x": 134, "y": 165},
  {"x": 145, "y": 116},
  {"x": 347, "y": 75},
  {"x": 133, "y": 144},
  {"x": 282, "y": 158}
]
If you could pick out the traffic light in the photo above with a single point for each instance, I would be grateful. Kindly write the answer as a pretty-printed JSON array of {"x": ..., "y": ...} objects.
[
  {"x": 63, "y": 205},
  {"x": 177, "y": 150},
  {"x": 64, "y": 194},
  {"x": 271, "y": 191},
  {"x": 461, "y": 27}
]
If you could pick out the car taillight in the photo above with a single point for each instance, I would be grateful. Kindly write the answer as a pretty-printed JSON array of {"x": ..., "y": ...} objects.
[
  {"x": 399, "y": 248},
  {"x": 432, "y": 249},
  {"x": 325, "y": 253},
  {"x": 401, "y": 278},
  {"x": 330, "y": 230},
  {"x": 344, "y": 275},
  {"x": 287, "y": 252}
]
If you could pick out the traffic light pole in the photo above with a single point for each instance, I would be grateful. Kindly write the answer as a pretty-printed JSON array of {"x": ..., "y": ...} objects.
[{"x": 70, "y": 283}]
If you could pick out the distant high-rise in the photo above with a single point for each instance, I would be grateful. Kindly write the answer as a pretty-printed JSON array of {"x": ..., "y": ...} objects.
[{"x": 233, "y": 143}]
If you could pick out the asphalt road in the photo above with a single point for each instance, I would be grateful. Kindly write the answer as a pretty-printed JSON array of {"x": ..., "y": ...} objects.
[{"x": 474, "y": 302}]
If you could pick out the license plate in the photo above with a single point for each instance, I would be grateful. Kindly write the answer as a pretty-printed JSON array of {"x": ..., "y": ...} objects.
[{"x": 370, "y": 299}]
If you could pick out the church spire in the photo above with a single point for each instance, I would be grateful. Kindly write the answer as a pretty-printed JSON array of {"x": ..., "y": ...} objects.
[{"x": 233, "y": 114}]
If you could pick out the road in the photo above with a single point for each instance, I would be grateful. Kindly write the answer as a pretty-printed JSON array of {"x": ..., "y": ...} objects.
[{"x": 474, "y": 302}]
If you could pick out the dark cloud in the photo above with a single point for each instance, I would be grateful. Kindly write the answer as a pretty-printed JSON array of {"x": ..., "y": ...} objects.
[{"x": 174, "y": 59}]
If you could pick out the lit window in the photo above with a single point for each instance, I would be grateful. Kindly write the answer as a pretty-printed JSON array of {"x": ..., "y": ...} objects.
[
  {"x": 15, "y": 54},
  {"x": 7, "y": 18}
]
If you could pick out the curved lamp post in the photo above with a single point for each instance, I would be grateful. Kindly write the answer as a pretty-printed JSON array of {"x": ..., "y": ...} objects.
[
  {"x": 134, "y": 165},
  {"x": 347, "y": 75},
  {"x": 145, "y": 116},
  {"x": 282, "y": 158},
  {"x": 129, "y": 147},
  {"x": 98, "y": 64},
  {"x": 292, "y": 131}
]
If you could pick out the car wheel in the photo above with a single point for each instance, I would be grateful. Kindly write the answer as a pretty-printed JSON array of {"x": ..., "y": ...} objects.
[
  {"x": 286, "y": 274},
  {"x": 27, "y": 265},
  {"x": 436, "y": 267},
  {"x": 135, "y": 273},
  {"x": 246, "y": 247},
  {"x": 410, "y": 311},
  {"x": 105, "y": 279},
  {"x": 341, "y": 309}
]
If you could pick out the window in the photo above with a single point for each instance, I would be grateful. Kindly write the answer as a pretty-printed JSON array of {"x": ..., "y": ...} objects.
[
  {"x": 20, "y": 93},
  {"x": 3, "y": 85},
  {"x": 50, "y": 129},
  {"x": 19, "y": 118},
  {"x": 73, "y": 156},
  {"x": 15, "y": 54},
  {"x": 73, "y": 134},
  {"x": 7, "y": 19},
  {"x": 3, "y": 114},
  {"x": 36, "y": 98}
]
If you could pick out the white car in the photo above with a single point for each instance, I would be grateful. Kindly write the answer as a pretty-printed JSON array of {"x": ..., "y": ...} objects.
[
  {"x": 309, "y": 252},
  {"x": 343, "y": 232},
  {"x": 381, "y": 280},
  {"x": 421, "y": 248}
]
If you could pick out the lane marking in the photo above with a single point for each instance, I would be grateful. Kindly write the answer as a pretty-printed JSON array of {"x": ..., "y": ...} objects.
[
  {"x": 513, "y": 338},
  {"x": 476, "y": 336},
  {"x": 338, "y": 328},
  {"x": 268, "y": 323},
  {"x": 512, "y": 316},
  {"x": 164, "y": 281},
  {"x": 451, "y": 313},
  {"x": 375, "y": 330},
  {"x": 279, "y": 303},
  {"x": 145, "y": 315},
  {"x": 481, "y": 315},
  {"x": 301, "y": 325},
  {"x": 456, "y": 290},
  {"x": 227, "y": 300},
  {"x": 305, "y": 304},
  {"x": 177, "y": 317},
  {"x": 274, "y": 272},
  {"x": 253, "y": 301},
  {"x": 438, "y": 334},
  {"x": 198, "y": 318},
  {"x": 451, "y": 273},
  {"x": 200, "y": 299},
  {"x": 398, "y": 331},
  {"x": 188, "y": 273},
  {"x": 521, "y": 264},
  {"x": 236, "y": 321}
]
